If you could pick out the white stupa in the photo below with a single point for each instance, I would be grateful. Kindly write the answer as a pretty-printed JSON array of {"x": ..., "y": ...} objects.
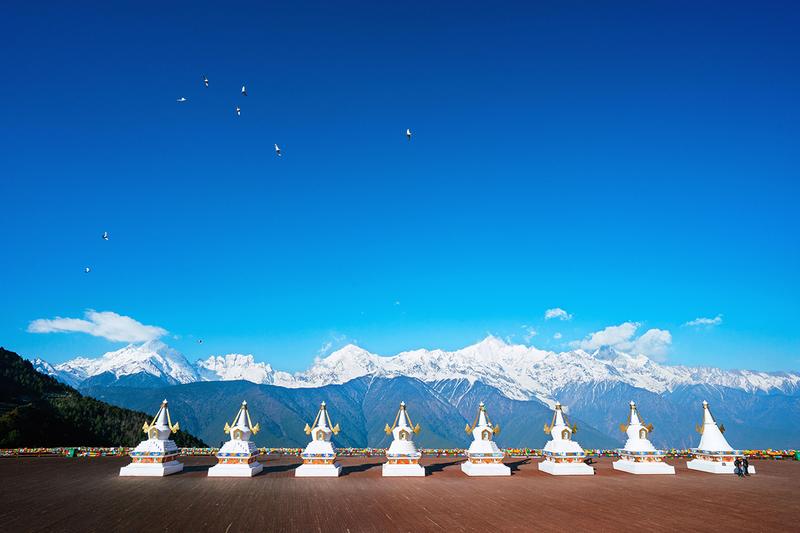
[
  {"x": 319, "y": 457},
  {"x": 402, "y": 455},
  {"x": 639, "y": 456},
  {"x": 562, "y": 455},
  {"x": 156, "y": 456},
  {"x": 484, "y": 458},
  {"x": 237, "y": 457},
  {"x": 714, "y": 454}
]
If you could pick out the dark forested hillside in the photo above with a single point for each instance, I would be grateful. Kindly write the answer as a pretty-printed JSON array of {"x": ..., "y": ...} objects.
[{"x": 38, "y": 411}]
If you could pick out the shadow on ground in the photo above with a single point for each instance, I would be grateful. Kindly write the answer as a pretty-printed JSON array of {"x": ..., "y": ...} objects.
[{"x": 359, "y": 468}]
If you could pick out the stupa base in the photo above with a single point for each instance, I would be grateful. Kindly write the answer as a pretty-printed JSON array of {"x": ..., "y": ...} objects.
[
  {"x": 413, "y": 470},
  {"x": 483, "y": 469},
  {"x": 150, "y": 469},
  {"x": 241, "y": 470},
  {"x": 643, "y": 468},
  {"x": 566, "y": 469},
  {"x": 333, "y": 470},
  {"x": 715, "y": 467}
]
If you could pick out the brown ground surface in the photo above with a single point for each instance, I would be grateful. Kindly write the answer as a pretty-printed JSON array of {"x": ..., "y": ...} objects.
[{"x": 86, "y": 494}]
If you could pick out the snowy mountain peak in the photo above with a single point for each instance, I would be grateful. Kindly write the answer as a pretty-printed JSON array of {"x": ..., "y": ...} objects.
[{"x": 238, "y": 366}]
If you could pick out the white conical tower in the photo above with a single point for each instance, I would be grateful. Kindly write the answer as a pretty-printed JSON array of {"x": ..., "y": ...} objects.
[
  {"x": 319, "y": 457},
  {"x": 484, "y": 458},
  {"x": 402, "y": 455},
  {"x": 156, "y": 456},
  {"x": 237, "y": 457},
  {"x": 639, "y": 456},
  {"x": 562, "y": 455},
  {"x": 714, "y": 454}
]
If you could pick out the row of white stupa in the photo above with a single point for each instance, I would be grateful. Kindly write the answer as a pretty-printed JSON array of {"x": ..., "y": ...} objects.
[{"x": 157, "y": 456}]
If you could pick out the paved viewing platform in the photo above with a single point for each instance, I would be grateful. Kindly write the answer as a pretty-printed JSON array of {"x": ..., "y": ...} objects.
[{"x": 86, "y": 494}]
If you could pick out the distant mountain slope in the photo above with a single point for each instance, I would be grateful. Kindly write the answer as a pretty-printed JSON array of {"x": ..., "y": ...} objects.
[
  {"x": 362, "y": 407},
  {"x": 36, "y": 410}
]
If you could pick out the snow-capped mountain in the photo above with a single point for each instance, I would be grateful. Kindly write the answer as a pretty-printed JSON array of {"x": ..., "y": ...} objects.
[
  {"x": 518, "y": 371},
  {"x": 525, "y": 373},
  {"x": 153, "y": 358},
  {"x": 238, "y": 366}
]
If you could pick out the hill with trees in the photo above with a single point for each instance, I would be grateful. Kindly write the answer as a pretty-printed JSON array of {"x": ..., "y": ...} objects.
[{"x": 38, "y": 411}]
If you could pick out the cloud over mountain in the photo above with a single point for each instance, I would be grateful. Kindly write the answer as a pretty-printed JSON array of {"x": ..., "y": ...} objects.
[
  {"x": 106, "y": 324},
  {"x": 654, "y": 343}
]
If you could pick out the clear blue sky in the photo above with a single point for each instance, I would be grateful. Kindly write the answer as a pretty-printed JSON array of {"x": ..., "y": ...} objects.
[{"x": 627, "y": 162}]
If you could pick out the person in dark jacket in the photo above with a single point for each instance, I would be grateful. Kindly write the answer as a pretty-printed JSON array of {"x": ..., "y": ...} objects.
[
  {"x": 738, "y": 464},
  {"x": 745, "y": 465}
]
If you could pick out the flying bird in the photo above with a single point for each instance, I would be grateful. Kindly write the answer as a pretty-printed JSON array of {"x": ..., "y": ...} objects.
[
  {"x": 239, "y": 111},
  {"x": 244, "y": 93},
  {"x": 408, "y": 132},
  {"x": 87, "y": 270},
  {"x": 206, "y": 79},
  {"x": 181, "y": 99},
  {"x": 201, "y": 342},
  {"x": 105, "y": 235},
  {"x": 277, "y": 149}
]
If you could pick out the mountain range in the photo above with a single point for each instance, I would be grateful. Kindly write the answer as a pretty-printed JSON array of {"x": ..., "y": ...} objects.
[{"x": 759, "y": 409}]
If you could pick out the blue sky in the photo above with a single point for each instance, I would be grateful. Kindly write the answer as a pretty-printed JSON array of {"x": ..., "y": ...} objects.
[{"x": 633, "y": 164}]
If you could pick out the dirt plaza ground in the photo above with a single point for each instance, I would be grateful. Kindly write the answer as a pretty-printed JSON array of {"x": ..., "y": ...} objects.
[{"x": 86, "y": 494}]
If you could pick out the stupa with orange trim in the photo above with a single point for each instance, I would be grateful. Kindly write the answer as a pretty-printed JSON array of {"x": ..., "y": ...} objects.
[
  {"x": 319, "y": 457},
  {"x": 402, "y": 455},
  {"x": 562, "y": 455},
  {"x": 157, "y": 456},
  {"x": 484, "y": 458},
  {"x": 237, "y": 457},
  {"x": 639, "y": 456}
]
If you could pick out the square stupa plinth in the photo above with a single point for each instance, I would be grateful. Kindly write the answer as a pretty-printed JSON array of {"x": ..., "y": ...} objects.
[
  {"x": 565, "y": 465},
  {"x": 643, "y": 464},
  {"x": 153, "y": 458},
  {"x": 716, "y": 462},
  {"x": 402, "y": 470}
]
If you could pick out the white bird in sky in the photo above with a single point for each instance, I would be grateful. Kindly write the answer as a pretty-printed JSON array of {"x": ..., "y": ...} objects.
[
  {"x": 277, "y": 149},
  {"x": 201, "y": 342},
  {"x": 239, "y": 111},
  {"x": 206, "y": 79},
  {"x": 87, "y": 270},
  {"x": 244, "y": 93},
  {"x": 105, "y": 235},
  {"x": 408, "y": 132},
  {"x": 181, "y": 99}
]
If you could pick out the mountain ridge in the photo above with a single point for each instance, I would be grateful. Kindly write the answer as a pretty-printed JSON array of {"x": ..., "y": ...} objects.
[{"x": 519, "y": 372}]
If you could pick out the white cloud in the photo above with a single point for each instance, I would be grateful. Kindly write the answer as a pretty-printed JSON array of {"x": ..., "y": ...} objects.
[
  {"x": 397, "y": 303},
  {"x": 557, "y": 313},
  {"x": 705, "y": 321},
  {"x": 654, "y": 343},
  {"x": 176, "y": 337},
  {"x": 323, "y": 351},
  {"x": 106, "y": 324},
  {"x": 557, "y": 336},
  {"x": 531, "y": 334}
]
